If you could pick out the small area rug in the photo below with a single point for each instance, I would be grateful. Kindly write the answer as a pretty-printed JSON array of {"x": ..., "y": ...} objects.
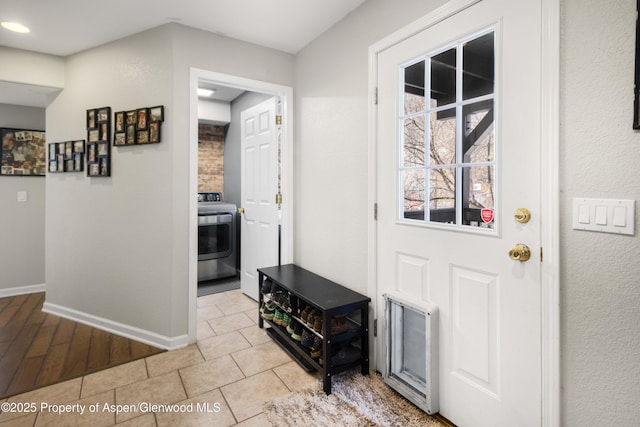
[{"x": 356, "y": 400}]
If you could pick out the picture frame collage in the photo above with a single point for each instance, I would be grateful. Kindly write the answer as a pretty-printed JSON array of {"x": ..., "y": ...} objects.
[
  {"x": 139, "y": 126},
  {"x": 99, "y": 142},
  {"x": 22, "y": 152},
  {"x": 66, "y": 156}
]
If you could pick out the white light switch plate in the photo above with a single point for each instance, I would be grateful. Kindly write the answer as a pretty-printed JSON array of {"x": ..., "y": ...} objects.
[
  {"x": 604, "y": 215},
  {"x": 22, "y": 196}
]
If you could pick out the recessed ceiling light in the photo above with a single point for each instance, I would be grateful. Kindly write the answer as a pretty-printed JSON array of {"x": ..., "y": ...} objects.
[
  {"x": 205, "y": 92},
  {"x": 15, "y": 27}
]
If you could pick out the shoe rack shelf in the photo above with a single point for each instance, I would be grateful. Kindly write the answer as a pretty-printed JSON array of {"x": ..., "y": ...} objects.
[{"x": 339, "y": 351}]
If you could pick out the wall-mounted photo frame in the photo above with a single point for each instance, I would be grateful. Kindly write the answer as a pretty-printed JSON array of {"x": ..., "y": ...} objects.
[
  {"x": 156, "y": 114},
  {"x": 23, "y": 152},
  {"x": 154, "y": 131},
  {"x": 139, "y": 127},
  {"x": 99, "y": 141},
  {"x": 141, "y": 124},
  {"x": 66, "y": 156},
  {"x": 119, "y": 121}
]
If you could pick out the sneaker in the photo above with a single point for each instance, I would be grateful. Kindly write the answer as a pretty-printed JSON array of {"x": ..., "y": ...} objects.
[
  {"x": 316, "y": 348},
  {"x": 339, "y": 325},
  {"x": 266, "y": 286},
  {"x": 305, "y": 313},
  {"x": 268, "y": 310},
  {"x": 307, "y": 338},
  {"x": 347, "y": 354},
  {"x": 286, "y": 319},
  {"x": 291, "y": 326},
  {"x": 311, "y": 317},
  {"x": 278, "y": 316},
  {"x": 317, "y": 323},
  {"x": 334, "y": 351},
  {"x": 297, "y": 331}
]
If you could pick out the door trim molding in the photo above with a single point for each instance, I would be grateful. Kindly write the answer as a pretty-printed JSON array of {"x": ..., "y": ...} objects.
[
  {"x": 550, "y": 204},
  {"x": 286, "y": 95}
]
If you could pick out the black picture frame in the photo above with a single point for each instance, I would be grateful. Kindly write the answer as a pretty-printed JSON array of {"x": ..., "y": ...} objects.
[
  {"x": 23, "y": 152},
  {"x": 98, "y": 156},
  {"x": 636, "y": 87},
  {"x": 119, "y": 121},
  {"x": 154, "y": 132},
  {"x": 141, "y": 126},
  {"x": 66, "y": 156},
  {"x": 156, "y": 114},
  {"x": 142, "y": 115}
]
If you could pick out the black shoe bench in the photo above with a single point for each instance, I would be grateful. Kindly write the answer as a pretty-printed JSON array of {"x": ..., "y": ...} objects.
[{"x": 332, "y": 300}]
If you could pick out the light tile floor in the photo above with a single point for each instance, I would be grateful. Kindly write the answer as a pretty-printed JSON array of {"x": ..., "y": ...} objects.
[{"x": 222, "y": 380}]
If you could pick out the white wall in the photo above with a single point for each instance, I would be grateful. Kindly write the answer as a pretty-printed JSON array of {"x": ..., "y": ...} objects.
[
  {"x": 331, "y": 140},
  {"x": 117, "y": 249},
  {"x": 109, "y": 240},
  {"x": 22, "y": 230},
  {"x": 600, "y": 154},
  {"x": 22, "y": 66}
]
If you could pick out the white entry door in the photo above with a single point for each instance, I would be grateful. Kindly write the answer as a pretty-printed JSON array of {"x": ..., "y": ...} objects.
[
  {"x": 457, "y": 154},
  {"x": 259, "y": 221}
]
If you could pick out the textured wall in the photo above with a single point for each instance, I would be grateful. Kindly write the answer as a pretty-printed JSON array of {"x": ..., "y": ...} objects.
[{"x": 600, "y": 273}]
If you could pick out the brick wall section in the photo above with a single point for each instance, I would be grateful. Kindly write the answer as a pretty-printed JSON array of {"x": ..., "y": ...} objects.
[{"x": 210, "y": 158}]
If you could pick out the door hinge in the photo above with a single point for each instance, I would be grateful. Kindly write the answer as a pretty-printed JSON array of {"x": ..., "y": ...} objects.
[
  {"x": 375, "y": 211},
  {"x": 278, "y": 120},
  {"x": 375, "y": 96},
  {"x": 540, "y": 253},
  {"x": 375, "y": 327},
  {"x": 279, "y": 199}
]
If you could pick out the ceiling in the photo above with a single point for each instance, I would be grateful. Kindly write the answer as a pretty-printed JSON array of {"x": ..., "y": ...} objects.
[{"x": 65, "y": 27}]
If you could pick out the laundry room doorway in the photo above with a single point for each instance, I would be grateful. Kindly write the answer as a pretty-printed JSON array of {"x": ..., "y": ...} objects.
[{"x": 244, "y": 174}]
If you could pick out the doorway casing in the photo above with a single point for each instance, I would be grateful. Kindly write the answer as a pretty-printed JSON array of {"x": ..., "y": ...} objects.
[
  {"x": 550, "y": 188},
  {"x": 286, "y": 159}
]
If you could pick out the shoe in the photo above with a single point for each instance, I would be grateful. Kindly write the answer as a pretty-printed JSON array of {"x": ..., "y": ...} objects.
[
  {"x": 305, "y": 313},
  {"x": 291, "y": 326},
  {"x": 339, "y": 325},
  {"x": 311, "y": 318},
  {"x": 297, "y": 331},
  {"x": 334, "y": 351},
  {"x": 278, "y": 316},
  {"x": 347, "y": 354},
  {"x": 316, "y": 348},
  {"x": 268, "y": 310},
  {"x": 266, "y": 286},
  {"x": 307, "y": 338},
  {"x": 317, "y": 323},
  {"x": 286, "y": 319}
]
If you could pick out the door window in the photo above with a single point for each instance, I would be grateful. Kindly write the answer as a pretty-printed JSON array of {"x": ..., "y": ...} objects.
[{"x": 447, "y": 169}]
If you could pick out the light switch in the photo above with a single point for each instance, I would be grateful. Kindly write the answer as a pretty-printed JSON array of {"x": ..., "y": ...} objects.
[
  {"x": 604, "y": 215},
  {"x": 601, "y": 215},
  {"x": 619, "y": 216},
  {"x": 22, "y": 196},
  {"x": 583, "y": 214}
]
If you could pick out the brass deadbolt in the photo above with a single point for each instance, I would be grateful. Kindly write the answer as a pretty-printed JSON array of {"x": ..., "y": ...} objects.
[{"x": 522, "y": 215}]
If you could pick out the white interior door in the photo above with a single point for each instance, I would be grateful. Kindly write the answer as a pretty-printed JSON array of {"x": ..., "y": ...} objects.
[
  {"x": 259, "y": 222},
  {"x": 457, "y": 153}
]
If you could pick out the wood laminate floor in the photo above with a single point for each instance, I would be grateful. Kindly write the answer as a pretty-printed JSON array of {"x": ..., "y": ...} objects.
[{"x": 39, "y": 349}]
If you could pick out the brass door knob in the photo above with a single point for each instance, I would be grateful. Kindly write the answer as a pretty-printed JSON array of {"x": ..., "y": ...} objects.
[
  {"x": 240, "y": 211},
  {"x": 520, "y": 252},
  {"x": 522, "y": 215}
]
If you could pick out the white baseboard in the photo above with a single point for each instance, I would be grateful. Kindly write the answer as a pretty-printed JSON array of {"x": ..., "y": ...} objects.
[
  {"x": 21, "y": 290},
  {"x": 131, "y": 332}
]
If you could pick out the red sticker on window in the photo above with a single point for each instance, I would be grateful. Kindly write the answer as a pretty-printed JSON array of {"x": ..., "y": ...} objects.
[{"x": 486, "y": 215}]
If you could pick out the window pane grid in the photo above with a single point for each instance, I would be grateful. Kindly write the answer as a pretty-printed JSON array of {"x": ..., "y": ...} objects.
[{"x": 457, "y": 179}]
